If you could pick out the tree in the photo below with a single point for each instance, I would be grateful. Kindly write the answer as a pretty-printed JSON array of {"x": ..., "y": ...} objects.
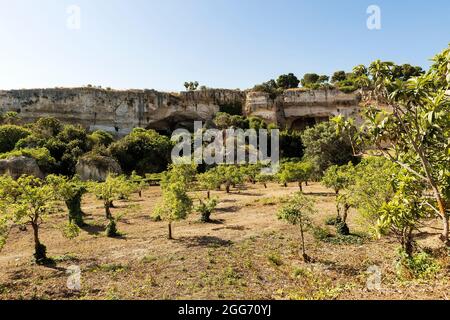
[
  {"x": 291, "y": 144},
  {"x": 143, "y": 151},
  {"x": 10, "y": 135},
  {"x": 176, "y": 204},
  {"x": 299, "y": 172},
  {"x": 404, "y": 211},
  {"x": 297, "y": 212},
  {"x": 114, "y": 188},
  {"x": 287, "y": 81},
  {"x": 71, "y": 192},
  {"x": 325, "y": 146},
  {"x": 338, "y": 178},
  {"x": 191, "y": 86},
  {"x": 210, "y": 180},
  {"x": 416, "y": 129},
  {"x": 230, "y": 175},
  {"x": 338, "y": 76},
  {"x": 100, "y": 138},
  {"x": 138, "y": 183},
  {"x": 205, "y": 208},
  {"x": 265, "y": 178},
  {"x": 28, "y": 200}
]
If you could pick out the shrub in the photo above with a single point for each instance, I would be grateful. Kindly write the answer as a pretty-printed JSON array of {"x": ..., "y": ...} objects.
[
  {"x": 143, "y": 151},
  {"x": 10, "y": 135},
  {"x": 418, "y": 266}
]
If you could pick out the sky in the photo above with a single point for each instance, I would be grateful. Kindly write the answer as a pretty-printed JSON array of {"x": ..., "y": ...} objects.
[{"x": 160, "y": 44}]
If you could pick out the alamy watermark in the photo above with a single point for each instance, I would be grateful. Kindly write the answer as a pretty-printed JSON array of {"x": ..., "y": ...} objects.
[
  {"x": 230, "y": 146},
  {"x": 74, "y": 279},
  {"x": 374, "y": 19},
  {"x": 73, "y": 21}
]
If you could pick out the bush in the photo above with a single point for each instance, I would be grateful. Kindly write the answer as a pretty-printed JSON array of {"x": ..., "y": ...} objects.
[
  {"x": 10, "y": 135},
  {"x": 143, "y": 151},
  {"x": 418, "y": 266},
  {"x": 325, "y": 147}
]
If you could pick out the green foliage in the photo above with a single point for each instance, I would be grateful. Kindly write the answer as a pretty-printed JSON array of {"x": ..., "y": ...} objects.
[
  {"x": 338, "y": 177},
  {"x": 299, "y": 172},
  {"x": 314, "y": 81},
  {"x": 71, "y": 230},
  {"x": 27, "y": 200},
  {"x": 298, "y": 211},
  {"x": 100, "y": 138},
  {"x": 114, "y": 188},
  {"x": 287, "y": 81},
  {"x": 191, "y": 86},
  {"x": 229, "y": 175},
  {"x": 324, "y": 147},
  {"x": 418, "y": 266},
  {"x": 143, "y": 151},
  {"x": 270, "y": 87},
  {"x": 291, "y": 144},
  {"x": 10, "y": 135},
  {"x": 176, "y": 204},
  {"x": 338, "y": 76},
  {"x": 205, "y": 208},
  {"x": 71, "y": 192}
]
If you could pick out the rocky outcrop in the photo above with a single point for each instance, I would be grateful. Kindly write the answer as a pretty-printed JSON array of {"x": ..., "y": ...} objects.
[
  {"x": 298, "y": 108},
  {"x": 119, "y": 112},
  {"x": 18, "y": 166},
  {"x": 96, "y": 168}
]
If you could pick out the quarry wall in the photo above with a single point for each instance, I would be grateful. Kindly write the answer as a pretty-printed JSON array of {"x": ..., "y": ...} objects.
[{"x": 120, "y": 111}]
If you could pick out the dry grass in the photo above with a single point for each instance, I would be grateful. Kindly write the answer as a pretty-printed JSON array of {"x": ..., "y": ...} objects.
[{"x": 246, "y": 253}]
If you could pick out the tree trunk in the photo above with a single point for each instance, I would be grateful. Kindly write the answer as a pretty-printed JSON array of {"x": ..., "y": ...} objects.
[
  {"x": 108, "y": 210},
  {"x": 75, "y": 213},
  {"x": 265, "y": 185},
  {"x": 306, "y": 183},
  {"x": 443, "y": 214},
  {"x": 209, "y": 194},
  {"x": 170, "y": 231},
  {"x": 300, "y": 185},
  {"x": 345, "y": 215},
  {"x": 140, "y": 193},
  {"x": 39, "y": 249},
  {"x": 228, "y": 188}
]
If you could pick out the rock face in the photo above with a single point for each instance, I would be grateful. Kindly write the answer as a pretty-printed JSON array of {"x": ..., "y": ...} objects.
[
  {"x": 297, "y": 108},
  {"x": 119, "y": 112},
  {"x": 18, "y": 166},
  {"x": 96, "y": 168}
]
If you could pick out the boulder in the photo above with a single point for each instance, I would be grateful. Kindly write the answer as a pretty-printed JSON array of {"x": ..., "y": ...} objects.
[
  {"x": 96, "y": 168},
  {"x": 18, "y": 166}
]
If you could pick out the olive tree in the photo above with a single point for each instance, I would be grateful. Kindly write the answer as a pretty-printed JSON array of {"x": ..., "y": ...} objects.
[
  {"x": 176, "y": 204},
  {"x": 70, "y": 191},
  {"x": 114, "y": 188},
  {"x": 338, "y": 178},
  {"x": 27, "y": 201},
  {"x": 297, "y": 211},
  {"x": 209, "y": 180},
  {"x": 206, "y": 208}
]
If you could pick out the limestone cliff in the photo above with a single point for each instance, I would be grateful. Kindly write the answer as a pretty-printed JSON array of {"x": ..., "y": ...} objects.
[{"x": 121, "y": 111}]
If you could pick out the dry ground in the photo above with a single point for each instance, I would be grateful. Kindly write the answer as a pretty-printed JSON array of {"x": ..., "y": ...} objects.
[{"x": 245, "y": 254}]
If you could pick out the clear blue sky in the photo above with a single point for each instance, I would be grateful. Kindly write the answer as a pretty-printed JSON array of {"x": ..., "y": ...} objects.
[{"x": 220, "y": 43}]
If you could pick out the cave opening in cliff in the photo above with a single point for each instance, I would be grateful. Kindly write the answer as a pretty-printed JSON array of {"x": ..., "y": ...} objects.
[{"x": 304, "y": 123}]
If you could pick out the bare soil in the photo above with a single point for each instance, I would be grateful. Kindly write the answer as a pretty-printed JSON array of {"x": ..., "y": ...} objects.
[{"x": 245, "y": 253}]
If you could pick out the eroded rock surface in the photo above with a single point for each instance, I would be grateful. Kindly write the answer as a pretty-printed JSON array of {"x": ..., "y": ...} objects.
[
  {"x": 18, "y": 166},
  {"x": 120, "y": 111},
  {"x": 97, "y": 168}
]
